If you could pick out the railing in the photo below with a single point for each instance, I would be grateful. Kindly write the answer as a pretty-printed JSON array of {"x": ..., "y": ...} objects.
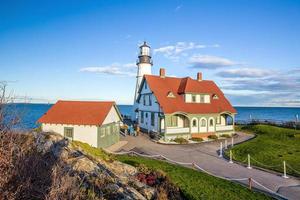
[
  {"x": 224, "y": 128},
  {"x": 178, "y": 130},
  {"x": 280, "y": 123}
]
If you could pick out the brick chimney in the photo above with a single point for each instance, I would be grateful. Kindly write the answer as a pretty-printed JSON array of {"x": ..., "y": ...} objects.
[
  {"x": 162, "y": 73},
  {"x": 199, "y": 76}
]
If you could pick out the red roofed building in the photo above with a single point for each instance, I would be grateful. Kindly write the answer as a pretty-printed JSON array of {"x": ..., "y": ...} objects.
[
  {"x": 93, "y": 122},
  {"x": 183, "y": 107}
]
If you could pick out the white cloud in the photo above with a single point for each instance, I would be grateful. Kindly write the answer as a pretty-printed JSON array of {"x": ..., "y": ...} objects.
[
  {"x": 180, "y": 48},
  {"x": 261, "y": 87},
  {"x": 210, "y": 62},
  {"x": 113, "y": 69},
  {"x": 178, "y": 8},
  {"x": 245, "y": 73}
]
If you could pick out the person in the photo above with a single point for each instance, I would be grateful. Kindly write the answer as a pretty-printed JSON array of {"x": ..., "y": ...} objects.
[
  {"x": 131, "y": 130},
  {"x": 137, "y": 130}
]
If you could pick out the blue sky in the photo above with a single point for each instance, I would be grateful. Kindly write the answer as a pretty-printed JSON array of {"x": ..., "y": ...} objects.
[{"x": 87, "y": 49}]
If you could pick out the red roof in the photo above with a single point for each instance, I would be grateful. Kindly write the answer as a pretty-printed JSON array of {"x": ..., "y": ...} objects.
[
  {"x": 178, "y": 86},
  {"x": 77, "y": 112}
]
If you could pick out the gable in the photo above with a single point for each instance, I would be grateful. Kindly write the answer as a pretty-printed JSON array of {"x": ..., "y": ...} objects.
[{"x": 112, "y": 116}]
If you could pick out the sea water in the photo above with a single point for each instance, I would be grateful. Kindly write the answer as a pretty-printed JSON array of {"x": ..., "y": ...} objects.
[{"x": 30, "y": 113}]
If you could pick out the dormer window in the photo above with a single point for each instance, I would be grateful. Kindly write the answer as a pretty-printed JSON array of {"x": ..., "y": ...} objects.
[
  {"x": 202, "y": 98},
  {"x": 171, "y": 95},
  {"x": 215, "y": 96},
  {"x": 194, "y": 98}
]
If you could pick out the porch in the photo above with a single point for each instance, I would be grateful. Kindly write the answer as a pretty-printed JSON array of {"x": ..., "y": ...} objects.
[{"x": 182, "y": 124}]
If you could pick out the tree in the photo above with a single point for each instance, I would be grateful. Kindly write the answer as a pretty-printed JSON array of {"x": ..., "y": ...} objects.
[{"x": 8, "y": 116}]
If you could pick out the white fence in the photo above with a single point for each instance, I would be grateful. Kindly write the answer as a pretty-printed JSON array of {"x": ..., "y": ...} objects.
[
  {"x": 224, "y": 128},
  {"x": 177, "y": 130},
  {"x": 245, "y": 181}
]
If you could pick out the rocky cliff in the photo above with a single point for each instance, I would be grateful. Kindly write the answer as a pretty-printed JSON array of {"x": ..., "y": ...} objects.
[{"x": 47, "y": 166}]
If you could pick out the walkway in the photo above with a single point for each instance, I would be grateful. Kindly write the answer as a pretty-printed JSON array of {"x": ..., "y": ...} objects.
[{"x": 205, "y": 155}]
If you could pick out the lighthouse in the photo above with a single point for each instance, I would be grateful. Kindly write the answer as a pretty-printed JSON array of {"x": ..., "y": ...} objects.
[{"x": 144, "y": 64}]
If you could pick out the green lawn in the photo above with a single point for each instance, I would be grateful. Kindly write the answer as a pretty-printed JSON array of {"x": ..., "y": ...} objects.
[
  {"x": 271, "y": 147},
  {"x": 194, "y": 184}
]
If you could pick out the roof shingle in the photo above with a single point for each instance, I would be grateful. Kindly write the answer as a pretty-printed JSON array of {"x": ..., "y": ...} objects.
[
  {"x": 161, "y": 87},
  {"x": 77, "y": 112}
]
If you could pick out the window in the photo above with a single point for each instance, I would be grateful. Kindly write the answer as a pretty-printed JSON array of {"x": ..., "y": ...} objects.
[
  {"x": 194, "y": 98},
  {"x": 114, "y": 126},
  {"x": 171, "y": 95},
  {"x": 107, "y": 130},
  {"x": 203, "y": 123},
  {"x": 215, "y": 96},
  {"x": 186, "y": 122},
  {"x": 152, "y": 118},
  {"x": 211, "y": 122},
  {"x": 102, "y": 132},
  {"x": 194, "y": 123},
  {"x": 146, "y": 115},
  {"x": 69, "y": 133},
  {"x": 142, "y": 117},
  {"x": 145, "y": 85},
  {"x": 202, "y": 99},
  {"x": 150, "y": 101},
  {"x": 173, "y": 121},
  {"x": 144, "y": 99}
]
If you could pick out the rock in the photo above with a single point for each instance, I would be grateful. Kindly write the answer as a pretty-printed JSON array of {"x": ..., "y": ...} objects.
[
  {"x": 84, "y": 164},
  {"x": 116, "y": 176},
  {"x": 148, "y": 192}
]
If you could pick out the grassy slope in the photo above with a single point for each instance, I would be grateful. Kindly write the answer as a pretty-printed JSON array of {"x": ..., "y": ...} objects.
[
  {"x": 271, "y": 147},
  {"x": 194, "y": 184}
]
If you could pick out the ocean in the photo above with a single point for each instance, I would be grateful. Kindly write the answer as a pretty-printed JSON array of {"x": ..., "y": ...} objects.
[{"x": 30, "y": 113}]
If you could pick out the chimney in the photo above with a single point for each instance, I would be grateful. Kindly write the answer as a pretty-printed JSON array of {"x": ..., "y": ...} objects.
[
  {"x": 162, "y": 73},
  {"x": 199, "y": 76}
]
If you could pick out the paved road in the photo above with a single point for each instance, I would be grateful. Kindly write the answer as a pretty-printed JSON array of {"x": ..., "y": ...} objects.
[{"x": 206, "y": 156}]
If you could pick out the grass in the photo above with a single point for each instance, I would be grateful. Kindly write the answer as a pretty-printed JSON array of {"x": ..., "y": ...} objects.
[
  {"x": 94, "y": 152},
  {"x": 270, "y": 148},
  {"x": 194, "y": 184}
]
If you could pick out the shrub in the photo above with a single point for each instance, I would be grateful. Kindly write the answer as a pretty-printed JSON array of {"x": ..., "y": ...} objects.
[
  {"x": 226, "y": 136},
  {"x": 181, "y": 141},
  {"x": 213, "y": 137},
  {"x": 159, "y": 180},
  {"x": 197, "y": 139},
  {"x": 152, "y": 135},
  {"x": 38, "y": 129}
]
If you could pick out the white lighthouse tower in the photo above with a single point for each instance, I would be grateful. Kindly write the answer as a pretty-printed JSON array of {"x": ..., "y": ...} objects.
[{"x": 144, "y": 64}]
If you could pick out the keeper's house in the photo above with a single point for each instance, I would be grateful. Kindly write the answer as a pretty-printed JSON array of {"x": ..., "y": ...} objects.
[
  {"x": 183, "y": 107},
  {"x": 92, "y": 122}
]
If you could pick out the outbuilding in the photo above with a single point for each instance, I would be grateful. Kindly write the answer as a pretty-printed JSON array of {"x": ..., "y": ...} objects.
[{"x": 94, "y": 122}]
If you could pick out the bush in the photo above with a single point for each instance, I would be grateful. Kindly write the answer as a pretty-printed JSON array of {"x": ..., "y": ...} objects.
[
  {"x": 197, "y": 139},
  {"x": 38, "y": 129},
  {"x": 181, "y": 141},
  {"x": 159, "y": 180},
  {"x": 213, "y": 137},
  {"x": 226, "y": 136},
  {"x": 152, "y": 135}
]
